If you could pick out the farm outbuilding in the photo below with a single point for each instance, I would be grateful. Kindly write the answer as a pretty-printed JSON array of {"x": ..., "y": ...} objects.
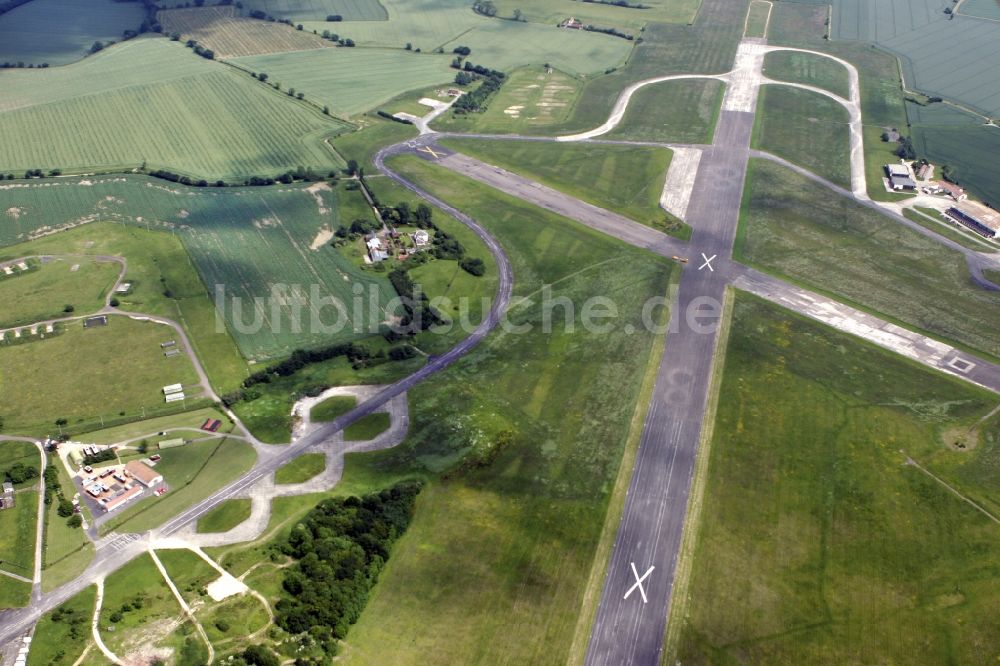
[{"x": 902, "y": 183}]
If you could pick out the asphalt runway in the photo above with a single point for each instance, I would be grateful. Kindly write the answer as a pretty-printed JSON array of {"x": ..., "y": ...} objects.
[{"x": 630, "y": 630}]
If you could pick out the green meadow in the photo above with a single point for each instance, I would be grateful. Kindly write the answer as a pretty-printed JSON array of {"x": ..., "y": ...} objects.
[
  {"x": 682, "y": 111},
  {"x": 301, "y": 469},
  {"x": 623, "y": 179},
  {"x": 797, "y": 229},
  {"x": 55, "y": 289},
  {"x": 805, "y": 128},
  {"x": 116, "y": 368},
  {"x": 831, "y": 530},
  {"x": 809, "y": 69},
  {"x": 521, "y": 441},
  {"x": 225, "y": 517}
]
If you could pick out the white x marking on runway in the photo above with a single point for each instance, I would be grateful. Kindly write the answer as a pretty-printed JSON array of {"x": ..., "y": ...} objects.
[
  {"x": 638, "y": 582},
  {"x": 428, "y": 149},
  {"x": 708, "y": 262}
]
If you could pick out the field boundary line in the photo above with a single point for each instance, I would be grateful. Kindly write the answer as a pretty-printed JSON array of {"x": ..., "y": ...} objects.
[
  {"x": 682, "y": 576},
  {"x": 913, "y": 463},
  {"x": 616, "y": 504}
]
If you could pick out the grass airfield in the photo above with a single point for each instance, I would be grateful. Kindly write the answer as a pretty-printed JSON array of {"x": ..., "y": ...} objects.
[
  {"x": 817, "y": 541},
  {"x": 519, "y": 442}
]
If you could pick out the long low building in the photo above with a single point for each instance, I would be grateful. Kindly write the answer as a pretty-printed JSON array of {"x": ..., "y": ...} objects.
[{"x": 980, "y": 219}]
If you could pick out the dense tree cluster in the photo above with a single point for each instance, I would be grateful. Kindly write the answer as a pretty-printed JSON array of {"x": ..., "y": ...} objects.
[
  {"x": 485, "y": 7},
  {"x": 389, "y": 116},
  {"x": 418, "y": 315},
  {"x": 477, "y": 99},
  {"x": 462, "y": 50},
  {"x": 19, "y": 473},
  {"x": 340, "y": 548}
]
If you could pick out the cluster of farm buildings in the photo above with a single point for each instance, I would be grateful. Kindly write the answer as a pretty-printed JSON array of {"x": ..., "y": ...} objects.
[
  {"x": 976, "y": 217},
  {"x": 380, "y": 245}
]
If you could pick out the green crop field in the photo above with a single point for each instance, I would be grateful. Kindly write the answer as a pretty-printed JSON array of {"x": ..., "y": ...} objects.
[
  {"x": 817, "y": 542},
  {"x": 809, "y": 69},
  {"x": 61, "y": 31},
  {"x": 674, "y": 111},
  {"x": 118, "y": 367},
  {"x": 317, "y": 10},
  {"x": 550, "y": 415},
  {"x": 758, "y": 17},
  {"x": 528, "y": 103},
  {"x": 192, "y": 472},
  {"x": 351, "y": 81},
  {"x": 948, "y": 136},
  {"x": 572, "y": 51},
  {"x": 925, "y": 39},
  {"x": 806, "y": 128},
  {"x": 795, "y": 228},
  {"x": 624, "y": 179},
  {"x": 426, "y": 24},
  {"x": 146, "y": 102},
  {"x": 45, "y": 292},
  {"x": 228, "y": 35},
  {"x": 551, "y": 12},
  {"x": 367, "y": 427},
  {"x": 301, "y": 469},
  {"x": 248, "y": 240},
  {"x": 225, "y": 517},
  {"x": 68, "y": 636}
]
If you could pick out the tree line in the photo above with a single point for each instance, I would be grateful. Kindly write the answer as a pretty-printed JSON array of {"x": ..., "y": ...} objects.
[
  {"x": 476, "y": 100},
  {"x": 339, "y": 549},
  {"x": 359, "y": 355}
]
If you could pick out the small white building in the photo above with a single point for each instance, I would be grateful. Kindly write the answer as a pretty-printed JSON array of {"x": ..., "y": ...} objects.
[
  {"x": 374, "y": 243},
  {"x": 421, "y": 237}
]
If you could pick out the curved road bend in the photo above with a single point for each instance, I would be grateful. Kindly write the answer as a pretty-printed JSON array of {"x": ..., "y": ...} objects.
[{"x": 115, "y": 552}]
